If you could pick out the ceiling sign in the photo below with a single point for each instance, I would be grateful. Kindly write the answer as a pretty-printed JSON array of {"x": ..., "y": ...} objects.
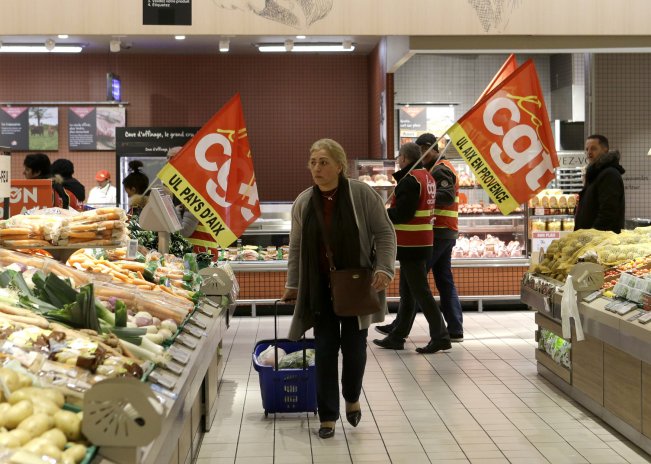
[{"x": 167, "y": 12}]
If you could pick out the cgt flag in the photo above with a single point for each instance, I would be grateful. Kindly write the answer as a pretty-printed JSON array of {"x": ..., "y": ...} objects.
[
  {"x": 507, "y": 141},
  {"x": 509, "y": 66},
  {"x": 213, "y": 176}
]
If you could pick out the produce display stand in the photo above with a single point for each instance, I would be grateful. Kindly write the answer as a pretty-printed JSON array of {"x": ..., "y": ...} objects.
[
  {"x": 187, "y": 386},
  {"x": 610, "y": 370}
]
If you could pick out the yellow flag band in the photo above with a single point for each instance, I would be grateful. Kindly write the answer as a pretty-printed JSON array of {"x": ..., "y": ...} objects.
[
  {"x": 197, "y": 205},
  {"x": 482, "y": 170}
]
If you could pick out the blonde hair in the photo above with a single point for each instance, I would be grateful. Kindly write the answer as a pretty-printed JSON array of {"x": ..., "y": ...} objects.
[{"x": 336, "y": 152}]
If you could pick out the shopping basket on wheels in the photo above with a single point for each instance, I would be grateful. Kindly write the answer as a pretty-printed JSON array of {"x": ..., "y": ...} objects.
[{"x": 286, "y": 390}]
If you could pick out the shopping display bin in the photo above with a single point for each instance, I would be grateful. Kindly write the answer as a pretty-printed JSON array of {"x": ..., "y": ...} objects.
[{"x": 286, "y": 390}]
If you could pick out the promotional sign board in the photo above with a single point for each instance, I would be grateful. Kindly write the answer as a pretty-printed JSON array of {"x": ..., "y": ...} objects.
[
  {"x": 167, "y": 12},
  {"x": 93, "y": 128},
  {"x": 27, "y": 194},
  {"x": 29, "y": 128},
  {"x": 5, "y": 172}
]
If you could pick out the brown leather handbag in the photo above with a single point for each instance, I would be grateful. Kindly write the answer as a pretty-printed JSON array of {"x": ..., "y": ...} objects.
[{"x": 352, "y": 293}]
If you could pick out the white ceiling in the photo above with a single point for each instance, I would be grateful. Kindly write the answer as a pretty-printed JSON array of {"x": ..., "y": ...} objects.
[{"x": 193, "y": 44}]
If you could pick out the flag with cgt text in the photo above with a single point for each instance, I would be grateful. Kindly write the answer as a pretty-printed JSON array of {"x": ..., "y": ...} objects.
[
  {"x": 214, "y": 179},
  {"x": 507, "y": 141}
]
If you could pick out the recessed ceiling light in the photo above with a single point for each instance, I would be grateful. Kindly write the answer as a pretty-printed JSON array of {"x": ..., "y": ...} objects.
[
  {"x": 300, "y": 36},
  {"x": 39, "y": 48},
  {"x": 63, "y": 36},
  {"x": 305, "y": 47},
  {"x": 179, "y": 37}
]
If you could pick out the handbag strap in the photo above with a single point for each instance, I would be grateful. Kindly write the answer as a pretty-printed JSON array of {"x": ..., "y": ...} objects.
[{"x": 324, "y": 232}]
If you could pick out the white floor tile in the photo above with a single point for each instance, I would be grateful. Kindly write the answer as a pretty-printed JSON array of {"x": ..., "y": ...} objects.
[{"x": 480, "y": 402}]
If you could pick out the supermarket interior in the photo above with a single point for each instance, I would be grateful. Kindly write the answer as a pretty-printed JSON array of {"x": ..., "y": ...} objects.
[{"x": 140, "y": 282}]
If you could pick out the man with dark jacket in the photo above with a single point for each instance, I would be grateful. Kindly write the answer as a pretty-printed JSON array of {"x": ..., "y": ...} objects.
[
  {"x": 602, "y": 202},
  {"x": 69, "y": 192},
  {"x": 411, "y": 212},
  {"x": 446, "y": 232}
]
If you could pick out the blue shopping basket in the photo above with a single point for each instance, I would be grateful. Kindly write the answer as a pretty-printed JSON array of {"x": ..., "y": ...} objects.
[{"x": 286, "y": 390}]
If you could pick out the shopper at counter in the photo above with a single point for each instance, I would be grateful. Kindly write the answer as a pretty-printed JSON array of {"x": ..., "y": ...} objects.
[
  {"x": 411, "y": 212},
  {"x": 446, "y": 232},
  {"x": 360, "y": 235},
  {"x": 36, "y": 166},
  {"x": 135, "y": 185},
  {"x": 602, "y": 202},
  {"x": 68, "y": 191}
]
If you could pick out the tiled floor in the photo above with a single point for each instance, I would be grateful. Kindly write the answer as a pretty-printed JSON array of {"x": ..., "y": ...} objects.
[{"x": 481, "y": 402}]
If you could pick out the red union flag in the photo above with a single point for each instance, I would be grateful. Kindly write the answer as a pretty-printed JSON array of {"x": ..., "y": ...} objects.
[
  {"x": 506, "y": 70},
  {"x": 213, "y": 176},
  {"x": 507, "y": 141}
]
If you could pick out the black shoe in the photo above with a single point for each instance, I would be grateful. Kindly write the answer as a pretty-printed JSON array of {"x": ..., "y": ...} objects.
[
  {"x": 434, "y": 346},
  {"x": 456, "y": 338},
  {"x": 384, "y": 329},
  {"x": 354, "y": 417},
  {"x": 390, "y": 343},
  {"x": 326, "y": 432}
]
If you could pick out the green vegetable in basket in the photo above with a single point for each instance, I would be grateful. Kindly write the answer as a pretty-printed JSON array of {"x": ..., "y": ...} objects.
[{"x": 295, "y": 360}]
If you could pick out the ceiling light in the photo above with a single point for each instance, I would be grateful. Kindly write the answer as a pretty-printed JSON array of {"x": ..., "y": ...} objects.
[
  {"x": 289, "y": 45},
  {"x": 305, "y": 47},
  {"x": 115, "y": 45},
  {"x": 50, "y": 44},
  {"x": 38, "y": 48},
  {"x": 300, "y": 36},
  {"x": 63, "y": 36},
  {"x": 224, "y": 45},
  {"x": 179, "y": 37}
]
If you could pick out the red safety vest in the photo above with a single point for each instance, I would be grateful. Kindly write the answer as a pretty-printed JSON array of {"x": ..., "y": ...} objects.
[
  {"x": 447, "y": 217},
  {"x": 418, "y": 231},
  {"x": 203, "y": 242}
]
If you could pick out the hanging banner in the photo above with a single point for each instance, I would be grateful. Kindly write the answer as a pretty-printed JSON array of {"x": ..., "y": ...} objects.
[
  {"x": 93, "y": 128},
  {"x": 167, "y": 12},
  {"x": 213, "y": 175},
  {"x": 507, "y": 140},
  {"x": 29, "y": 128}
]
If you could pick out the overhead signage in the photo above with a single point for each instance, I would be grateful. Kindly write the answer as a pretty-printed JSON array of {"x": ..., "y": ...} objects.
[
  {"x": 155, "y": 141},
  {"x": 167, "y": 12},
  {"x": 29, "y": 128},
  {"x": 93, "y": 128}
]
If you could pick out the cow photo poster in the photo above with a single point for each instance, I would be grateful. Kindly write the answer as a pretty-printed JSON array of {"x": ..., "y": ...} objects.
[{"x": 29, "y": 128}]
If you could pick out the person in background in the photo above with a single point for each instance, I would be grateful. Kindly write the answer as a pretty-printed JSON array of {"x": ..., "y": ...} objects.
[
  {"x": 68, "y": 191},
  {"x": 446, "y": 232},
  {"x": 411, "y": 213},
  {"x": 36, "y": 166},
  {"x": 135, "y": 185},
  {"x": 360, "y": 235},
  {"x": 103, "y": 194},
  {"x": 602, "y": 201}
]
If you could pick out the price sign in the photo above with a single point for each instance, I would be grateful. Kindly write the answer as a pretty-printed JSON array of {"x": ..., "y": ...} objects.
[
  {"x": 542, "y": 240},
  {"x": 180, "y": 355},
  {"x": 5, "y": 173}
]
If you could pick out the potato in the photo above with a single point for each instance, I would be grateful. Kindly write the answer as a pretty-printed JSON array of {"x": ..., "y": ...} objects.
[
  {"x": 21, "y": 435},
  {"x": 55, "y": 437},
  {"x": 69, "y": 423},
  {"x": 50, "y": 393},
  {"x": 4, "y": 407},
  {"x": 74, "y": 454},
  {"x": 8, "y": 441},
  {"x": 24, "y": 380},
  {"x": 18, "y": 413},
  {"x": 45, "y": 405},
  {"x": 41, "y": 446},
  {"x": 20, "y": 395},
  {"x": 25, "y": 457},
  {"x": 9, "y": 378},
  {"x": 37, "y": 424}
]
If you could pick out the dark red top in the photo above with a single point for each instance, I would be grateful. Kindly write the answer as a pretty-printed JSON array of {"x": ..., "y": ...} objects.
[{"x": 328, "y": 209}]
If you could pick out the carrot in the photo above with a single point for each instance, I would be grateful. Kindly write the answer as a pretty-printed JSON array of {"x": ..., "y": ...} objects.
[{"x": 16, "y": 231}]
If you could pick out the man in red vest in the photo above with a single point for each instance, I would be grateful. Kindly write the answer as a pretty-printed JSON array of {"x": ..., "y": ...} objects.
[
  {"x": 412, "y": 213},
  {"x": 446, "y": 231}
]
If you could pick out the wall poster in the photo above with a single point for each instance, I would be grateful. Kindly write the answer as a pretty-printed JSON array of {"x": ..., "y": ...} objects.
[
  {"x": 33, "y": 128},
  {"x": 93, "y": 128},
  {"x": 414, "y": 120}
]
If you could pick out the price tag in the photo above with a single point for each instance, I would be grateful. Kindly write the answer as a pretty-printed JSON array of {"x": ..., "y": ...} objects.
[
  {"x": 645, "y": 318},
  {"x": 204, "y": 310},
  {"x": 195, "y": 331},
  {"x": 173, "y": 367},
  {"x": 548, "y": 309},
  {"x": 163, "y": 379},
  {"x": 186, "y": 340},
  {"x": 635, "y": 316},
  {"x": 593, "y": 296},
  {"x": 199, "y": 323},
  {"x": 132, "y": 249},
  {"x": 180, "y": 355},
  {"x": 163, "y": 391},
  {"x": 539, "y": 211}
]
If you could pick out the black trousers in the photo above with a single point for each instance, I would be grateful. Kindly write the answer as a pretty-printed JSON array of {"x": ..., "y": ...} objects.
[
  {"x": 414, "y": 290},
  {"x": 332, "y": 333}
]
